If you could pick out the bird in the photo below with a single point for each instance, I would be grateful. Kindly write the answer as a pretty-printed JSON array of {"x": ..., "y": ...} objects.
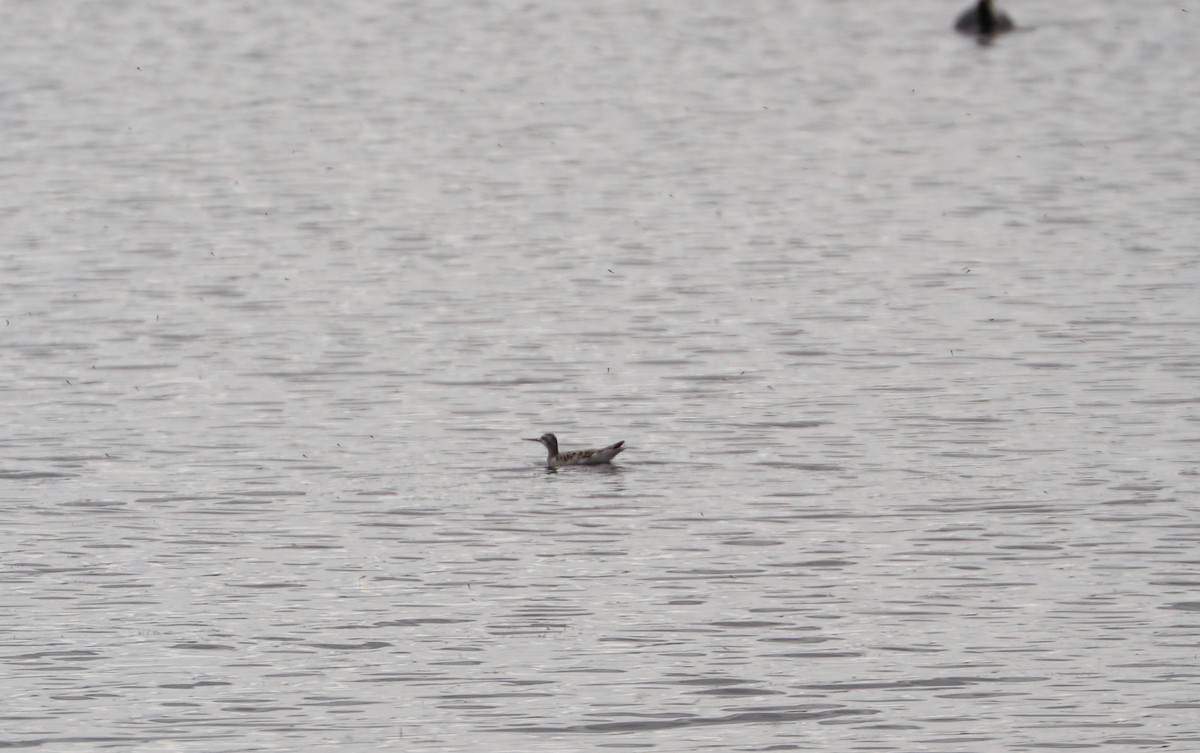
[
  {"x": 983, "y": 20},
  {"x": 556, "y": 459}
]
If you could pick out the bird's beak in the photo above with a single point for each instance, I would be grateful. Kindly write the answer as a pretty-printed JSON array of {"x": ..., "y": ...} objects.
[{"x": 531, "y": 439}]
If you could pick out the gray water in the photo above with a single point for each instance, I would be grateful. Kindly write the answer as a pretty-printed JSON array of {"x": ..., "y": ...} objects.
[{"x": 902, "y": 333}]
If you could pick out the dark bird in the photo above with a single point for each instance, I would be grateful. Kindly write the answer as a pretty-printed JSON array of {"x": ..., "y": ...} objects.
[{"x": 983, "y": 20}]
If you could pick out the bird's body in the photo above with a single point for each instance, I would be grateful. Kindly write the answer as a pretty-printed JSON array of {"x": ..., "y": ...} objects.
[
  {"x": 983, "y": 20},
  {"x": 556, "y": 459}
]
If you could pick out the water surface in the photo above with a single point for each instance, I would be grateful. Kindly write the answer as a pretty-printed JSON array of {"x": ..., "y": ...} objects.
[{"x": 902, "y": 332}]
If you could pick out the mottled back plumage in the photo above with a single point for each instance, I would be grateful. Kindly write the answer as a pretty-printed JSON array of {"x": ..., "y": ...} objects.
[{"x": 555, "y": 459}]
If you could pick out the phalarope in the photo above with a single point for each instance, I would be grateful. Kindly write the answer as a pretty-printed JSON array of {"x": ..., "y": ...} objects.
[
  {"x": 984, "y": 20},
  {"x": 576, "y": 457}
]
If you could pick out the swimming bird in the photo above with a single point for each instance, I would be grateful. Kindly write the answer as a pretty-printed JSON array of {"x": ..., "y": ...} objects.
[
  {"x": 576, "y": 457},
  {"x": 983, "y": 20}
]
